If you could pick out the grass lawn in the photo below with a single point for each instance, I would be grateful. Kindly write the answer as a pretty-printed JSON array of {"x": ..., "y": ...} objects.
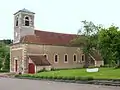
[{"x": 104, "y": 73}]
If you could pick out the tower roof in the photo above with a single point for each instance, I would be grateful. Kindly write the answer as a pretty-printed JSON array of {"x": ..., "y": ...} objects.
[{"x": 24, "y": 10}]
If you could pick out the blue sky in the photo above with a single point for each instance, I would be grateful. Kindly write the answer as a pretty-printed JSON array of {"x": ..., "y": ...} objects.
[{"x": 62, "y": 16}]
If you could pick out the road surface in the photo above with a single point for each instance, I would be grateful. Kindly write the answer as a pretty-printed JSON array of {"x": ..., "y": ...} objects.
[{"x": 24, "y": 84}]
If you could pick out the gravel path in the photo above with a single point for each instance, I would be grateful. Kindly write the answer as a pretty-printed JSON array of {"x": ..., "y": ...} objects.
[{"x": 24, "y": 84}]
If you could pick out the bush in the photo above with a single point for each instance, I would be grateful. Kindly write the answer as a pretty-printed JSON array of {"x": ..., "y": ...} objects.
[
  {"x": 4, "y": 70},
  {"x": 17, "y": 75},
  {"x": 50, "y": 77},
  {"x": 117, "y": 67},
  {"x": 41, "y": 77},
  {"x": 64, "y": 77},
  {"x": 36, "y": 76},
  {"x": 77, "y": 78},
  {"x": 59, "y": 77},
  {"x": 45, "y": 77},
  {"x": 86, "y": 78},
  {"x": 71, "y": 78},
  {"x": 42, "y": 70},
  {"x": 52, "y": 69}
]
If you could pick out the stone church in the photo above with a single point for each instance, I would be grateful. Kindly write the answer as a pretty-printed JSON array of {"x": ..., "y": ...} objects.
[{"x": 33, "y": 50}]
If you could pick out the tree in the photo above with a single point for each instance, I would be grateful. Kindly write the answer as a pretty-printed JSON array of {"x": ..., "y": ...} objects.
[
  {"x": 7, "y": 62},
  {"x": 109, "y": 43},
  {"x": 4, "y": 56},
  {"x": 87, "y": 38},
  {"x": 6, "y": 41}
]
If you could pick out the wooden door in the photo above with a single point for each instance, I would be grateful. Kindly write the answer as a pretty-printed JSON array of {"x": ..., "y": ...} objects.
[{"x": 31, "y": 68}]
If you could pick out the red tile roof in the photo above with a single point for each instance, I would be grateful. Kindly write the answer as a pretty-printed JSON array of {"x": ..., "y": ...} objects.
[
  {"x": 40, "y": 60},
  {"x": 51, "y": 38}
]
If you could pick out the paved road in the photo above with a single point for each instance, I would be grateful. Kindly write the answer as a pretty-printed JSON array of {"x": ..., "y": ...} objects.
[{"x": 20, "y": 84}]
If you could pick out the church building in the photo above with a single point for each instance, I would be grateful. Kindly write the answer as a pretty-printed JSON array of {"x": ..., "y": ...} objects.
[{"x": 33, "y": 50}]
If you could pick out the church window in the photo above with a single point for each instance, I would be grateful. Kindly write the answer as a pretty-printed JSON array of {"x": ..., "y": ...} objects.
[
  {"x": 27, "y": 21},
  {"x": 17, "y": 21},
  {"x": 74, "y": 57},
  {"x": 66, "y": 58},
  {"x": 55, "y": 58},
  {"x": 83, "y": 57}
]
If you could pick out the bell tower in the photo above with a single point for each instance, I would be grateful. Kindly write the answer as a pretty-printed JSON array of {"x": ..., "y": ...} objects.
[{"x": 23, "y": 24}]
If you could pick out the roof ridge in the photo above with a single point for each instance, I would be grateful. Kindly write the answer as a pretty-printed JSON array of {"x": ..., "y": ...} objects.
[{"x": 54, "y": 32}]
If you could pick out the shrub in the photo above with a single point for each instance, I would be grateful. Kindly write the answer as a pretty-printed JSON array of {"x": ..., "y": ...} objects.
[
  {"x": 45, "y": 77},
  {"x": 50, "y": 77},
  {"x": 17, "y": 75},
  {"x": 59, "y": 77},
  {"x": 36, "y": 76},
  {"x": 63, "y": 77},
  {"x": 117, "y": 67},
  {"x": 86, "y": 78},
  {"x": 71, "y": 78},
  {"x": 77, "y": 78},
  {"x": 5, "y": 70},
  {"x": 41, "y": 77},
  {"x": 54, "y": 77},
  {"x": 52, "y": 69},
  {"x": 90, "y": 78},
  {"x": 42, "y": 70}
]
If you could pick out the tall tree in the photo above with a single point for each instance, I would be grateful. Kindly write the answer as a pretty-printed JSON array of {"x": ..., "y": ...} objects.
[
  {"x": 87, "y": 38},
  {"x": 109, "y": 42},
  {"x": 4, "y": 55}
]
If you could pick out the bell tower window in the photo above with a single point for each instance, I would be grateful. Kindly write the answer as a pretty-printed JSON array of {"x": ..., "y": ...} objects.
[
  {"x": 17, "y": 21},
  {"x": 27, "y": 20}
]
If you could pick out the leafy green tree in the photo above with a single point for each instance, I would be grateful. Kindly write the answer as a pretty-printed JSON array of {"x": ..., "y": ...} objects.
[
  {"x": 7, "y": 62},
  {"x": 109, "y": 43},
  {"x": 87, "y": 39},
  {"x": 4, "y": 56}
]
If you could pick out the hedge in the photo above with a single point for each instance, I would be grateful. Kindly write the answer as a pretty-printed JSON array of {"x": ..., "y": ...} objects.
[
  {"x": 1, "y": 71},
  {"x": 55, "y": 77}
]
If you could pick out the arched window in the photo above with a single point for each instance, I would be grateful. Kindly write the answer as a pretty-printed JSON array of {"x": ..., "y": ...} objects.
[
  {"x": 83, "y": 57},
  {"x": 56, "y": 58},
  {"x": 27, "y": 21},
  {"x": 74, "y": 57},
  {"x": 17, "y": 21},
  {"x": 65, "y": 58}
]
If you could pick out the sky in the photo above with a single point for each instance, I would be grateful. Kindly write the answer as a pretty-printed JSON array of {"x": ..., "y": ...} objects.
[{"x": 63, "y": 16}]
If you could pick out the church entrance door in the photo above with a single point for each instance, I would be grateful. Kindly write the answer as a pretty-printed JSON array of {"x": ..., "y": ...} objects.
[{"x": 31, "y": 68}]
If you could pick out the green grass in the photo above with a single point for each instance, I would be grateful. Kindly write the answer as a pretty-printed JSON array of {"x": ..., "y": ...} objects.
[{"x": 104, "y": 73}]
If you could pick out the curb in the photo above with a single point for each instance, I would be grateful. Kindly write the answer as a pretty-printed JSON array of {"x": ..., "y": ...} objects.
[{"x": 94, "y": 82}]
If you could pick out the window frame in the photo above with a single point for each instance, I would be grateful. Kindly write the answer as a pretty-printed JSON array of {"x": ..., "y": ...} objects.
[
  {"x": 83, "y": 57},
  {"x": 16, "y": 21},
  {"x": 29, "y": 19},
  {"x": 55, "y": 58},
  {"x": 73, "y": 57},
  {"x": 64, "y": 58}
]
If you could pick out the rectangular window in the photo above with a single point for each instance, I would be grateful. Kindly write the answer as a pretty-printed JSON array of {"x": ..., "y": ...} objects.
[
  {"x": 56, "y": 58},
  {"x": 66, "y": 58},
  {"x": 74, "y": 58},
  {"x": 83, "y": 57}
]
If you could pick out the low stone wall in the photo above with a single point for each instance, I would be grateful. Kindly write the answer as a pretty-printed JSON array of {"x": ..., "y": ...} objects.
[{"x": 38, "y": 68}]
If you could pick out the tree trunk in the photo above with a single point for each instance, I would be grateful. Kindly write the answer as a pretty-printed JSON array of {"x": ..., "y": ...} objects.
[{"x": 86, "y": 61}]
